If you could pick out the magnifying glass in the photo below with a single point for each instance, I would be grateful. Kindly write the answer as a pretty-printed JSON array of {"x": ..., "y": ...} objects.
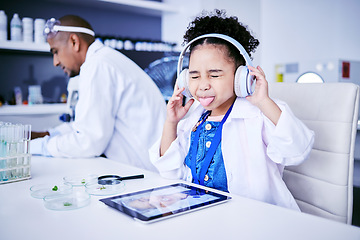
[{"x": 115, "y": 179}]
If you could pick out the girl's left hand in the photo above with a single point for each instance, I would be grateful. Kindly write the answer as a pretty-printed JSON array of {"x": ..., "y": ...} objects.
[
  {"x": 261, "y": 86},
  {"x": 260, "y": 97}
]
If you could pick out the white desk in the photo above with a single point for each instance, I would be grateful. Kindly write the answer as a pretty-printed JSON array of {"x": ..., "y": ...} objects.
[{"x": 24, "y": 217}]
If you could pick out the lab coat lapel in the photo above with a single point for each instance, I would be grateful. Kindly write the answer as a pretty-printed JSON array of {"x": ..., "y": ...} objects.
[
  {"x": 253, "y": 126},
  {"x": 237, "y": 144}
]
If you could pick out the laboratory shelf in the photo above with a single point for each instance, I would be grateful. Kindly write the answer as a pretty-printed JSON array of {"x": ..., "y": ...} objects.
[
  {"x": 37, "y": 109},
  {"x": 24, "y": 46},
  {"x": 150, "y": 6},
  {"x": 145, "y": 7}
]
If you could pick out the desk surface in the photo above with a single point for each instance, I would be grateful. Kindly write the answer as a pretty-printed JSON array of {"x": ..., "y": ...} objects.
[{"x": 24, "y": 217}]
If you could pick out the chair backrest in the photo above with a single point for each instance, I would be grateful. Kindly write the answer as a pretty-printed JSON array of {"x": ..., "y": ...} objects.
[{"x": 323, "y": 184}]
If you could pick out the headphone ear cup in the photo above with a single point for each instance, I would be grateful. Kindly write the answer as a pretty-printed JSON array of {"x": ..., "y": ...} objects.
[
  {"x": 251, "y": 82},
  {"x": 241, "y": 81},
  {"x": 183, "y": 82}
]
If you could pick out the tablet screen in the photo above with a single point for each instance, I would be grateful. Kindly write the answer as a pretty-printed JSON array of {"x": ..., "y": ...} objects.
[{"x": 158, "y": 203}]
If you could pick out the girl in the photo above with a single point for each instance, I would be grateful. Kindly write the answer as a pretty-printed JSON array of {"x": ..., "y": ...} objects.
[{"x": 257, "y": 136}]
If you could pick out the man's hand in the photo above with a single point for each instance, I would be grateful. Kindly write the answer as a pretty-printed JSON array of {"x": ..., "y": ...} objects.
[{"x": 35, "y": 135}]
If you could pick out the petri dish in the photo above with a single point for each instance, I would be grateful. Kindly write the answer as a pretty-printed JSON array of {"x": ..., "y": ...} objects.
[
  {"x": 42, "y": 190},
  {"x": 65, "y": 202},
  {"x": 94, "y": 188},
  {"x": 80, "y": 179}
]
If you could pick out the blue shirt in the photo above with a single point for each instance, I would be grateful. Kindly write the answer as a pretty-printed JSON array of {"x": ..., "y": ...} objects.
[{"x": 216, "y": 172}]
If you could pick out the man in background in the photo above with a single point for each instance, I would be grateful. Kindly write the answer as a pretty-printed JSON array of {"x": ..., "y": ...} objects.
[{"x": 120, "y": 111}]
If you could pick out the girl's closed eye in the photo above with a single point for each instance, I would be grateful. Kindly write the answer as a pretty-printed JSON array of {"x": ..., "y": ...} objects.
[
  {"x": 194, "y": 76},
  {"x": 215, "y": 73}
]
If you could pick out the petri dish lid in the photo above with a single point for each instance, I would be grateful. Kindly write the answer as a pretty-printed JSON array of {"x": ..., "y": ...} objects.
[
  {"x": 94, "y": 188},
  {"x": 80, "y": 179},
  {"x": 65, "y": 202},
  {"x": 42, "y": 190}
]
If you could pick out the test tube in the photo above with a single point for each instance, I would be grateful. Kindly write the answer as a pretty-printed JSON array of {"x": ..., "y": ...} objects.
[
  {"x": 2, "y": 151},
  {"x": 11, "y": 147},
  {"x": 13, "y": 144},
  {"x": 19, "y": 150},
  {"x": 27, "y": 156},
  {"x": 2, "y": 140},
  {"x": 7, "y": 162},
  {"x": 27, "y": 137}
]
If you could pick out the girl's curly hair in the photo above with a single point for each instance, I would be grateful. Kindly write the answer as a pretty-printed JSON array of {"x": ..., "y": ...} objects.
[{"x": 218, "y": 22}]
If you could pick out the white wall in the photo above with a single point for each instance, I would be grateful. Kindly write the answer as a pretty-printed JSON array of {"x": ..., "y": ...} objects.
[
  {"x": 308, "y": 30},
  {"x": 175, "y": 25},
  {"x": 289, "y": 31}
]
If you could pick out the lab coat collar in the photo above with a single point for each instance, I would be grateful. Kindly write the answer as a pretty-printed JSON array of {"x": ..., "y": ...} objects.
[
  {"x": 244, "y": 109},
  {"x": 93, "y": 48}
]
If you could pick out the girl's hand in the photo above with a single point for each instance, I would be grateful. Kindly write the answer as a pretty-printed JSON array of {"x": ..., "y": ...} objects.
[
  {"x": 261, "y": 86},
  {"x": 260, "y": 97},
  {"x": 175, "y": 110}
]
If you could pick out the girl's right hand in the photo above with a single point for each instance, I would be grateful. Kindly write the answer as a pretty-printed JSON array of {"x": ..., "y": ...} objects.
[{"x": 175, "y": 110}]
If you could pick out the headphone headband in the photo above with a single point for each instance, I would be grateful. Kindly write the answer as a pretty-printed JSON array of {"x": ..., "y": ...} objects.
[{"x": 214, "y": 35}]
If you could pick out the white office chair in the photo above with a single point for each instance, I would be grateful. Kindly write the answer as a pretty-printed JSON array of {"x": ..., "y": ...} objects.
[{"x": 323, "y": 184}]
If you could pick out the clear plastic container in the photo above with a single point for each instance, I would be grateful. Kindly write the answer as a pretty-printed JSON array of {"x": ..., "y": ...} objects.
[
  {"x": 16, "y": 28},
  {"x": 35, "y": 96},
  {"x": 3, "y": 26},
  {"x": 78, "y": 180},
  {"x": 28, "y": 29},
  {"x": 39, "y": 25},
  {"x": 42, "y": 190},
  {"x": 64, "y": 202},
  {"x": 94, "y": 188}
]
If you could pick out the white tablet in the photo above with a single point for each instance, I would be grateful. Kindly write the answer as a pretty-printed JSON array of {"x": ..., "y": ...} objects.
[{"x": 163, "y": 202}]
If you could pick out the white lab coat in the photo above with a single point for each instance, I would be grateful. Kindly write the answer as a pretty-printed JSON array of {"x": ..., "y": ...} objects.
[
  {"x": 255, "y": 151},
  {"x": 120, "y": 112}
]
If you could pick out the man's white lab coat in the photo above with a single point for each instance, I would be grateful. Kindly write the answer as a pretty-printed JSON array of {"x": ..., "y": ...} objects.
[
  {"x": 120, "y": 112},
  {"x": 254, "y": 150}
]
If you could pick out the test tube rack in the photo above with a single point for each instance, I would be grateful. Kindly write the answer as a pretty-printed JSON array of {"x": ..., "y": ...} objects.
[
  {"x": 13, "y": 169},
  {"x": 15, "y": 156}
]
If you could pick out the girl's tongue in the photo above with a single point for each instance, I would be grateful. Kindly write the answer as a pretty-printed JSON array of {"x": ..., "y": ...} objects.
[{"x": 205, "y": 101}]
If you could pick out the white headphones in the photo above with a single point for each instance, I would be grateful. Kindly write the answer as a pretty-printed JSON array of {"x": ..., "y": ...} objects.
[{"x": 244, "y": 83}]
